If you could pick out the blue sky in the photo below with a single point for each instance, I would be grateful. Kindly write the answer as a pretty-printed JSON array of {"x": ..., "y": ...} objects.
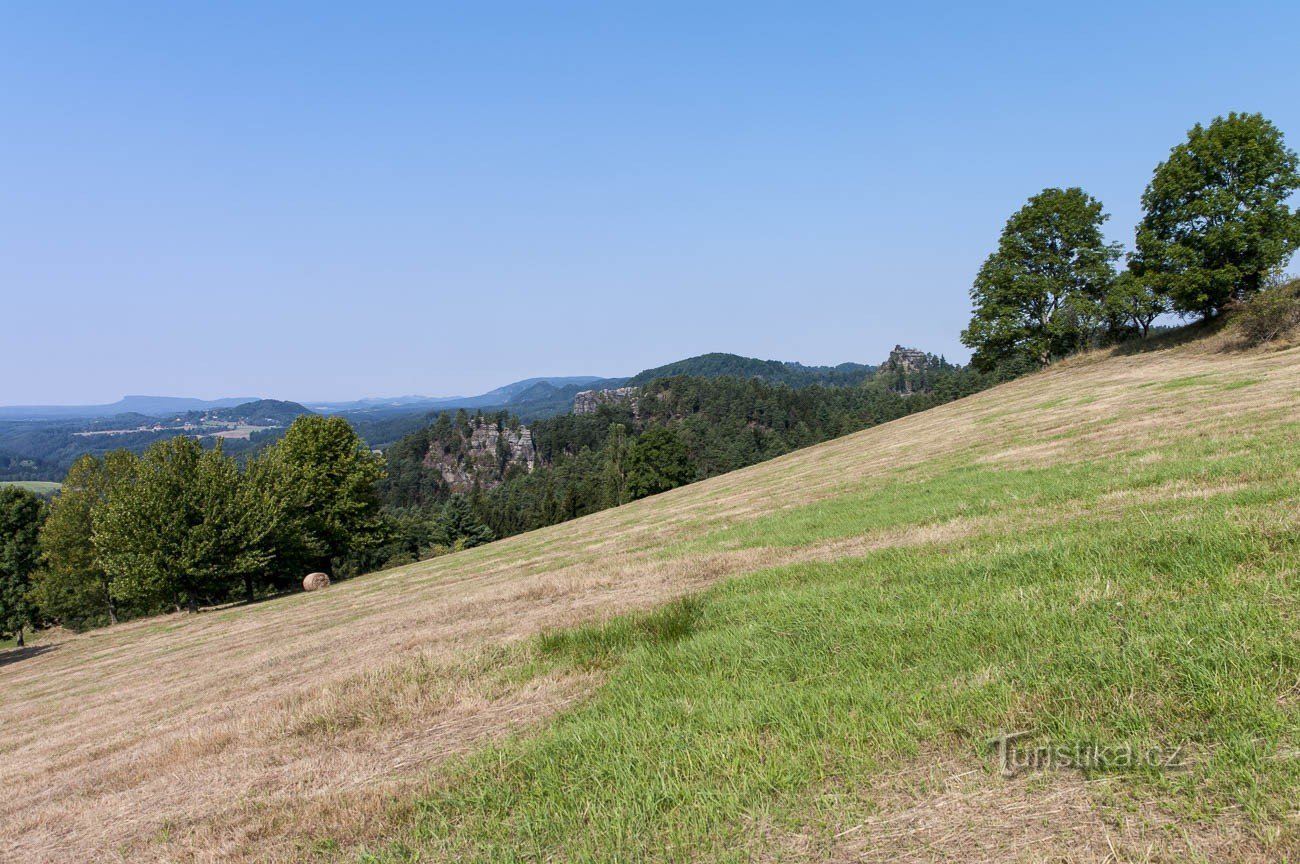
[{"x": 318, "y": 200}]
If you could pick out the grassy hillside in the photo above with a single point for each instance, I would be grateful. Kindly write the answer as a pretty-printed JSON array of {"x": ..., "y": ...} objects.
[{"x": 802, "y": 660}]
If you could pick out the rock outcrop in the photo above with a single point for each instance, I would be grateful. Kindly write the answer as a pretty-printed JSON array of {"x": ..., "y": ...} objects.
[
  {"x": 903, "y": 369},
  {"x": 906, "y": 359},
  {"x": 484, "y": 456},
  {"x": 589, "y": 401}
]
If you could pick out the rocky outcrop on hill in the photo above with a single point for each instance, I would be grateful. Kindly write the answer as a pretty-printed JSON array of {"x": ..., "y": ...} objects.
[
  {"x": 906, "y": 359},
  {"x": 903, "y": 369},
  {"x": 484, "y": 456},
  {"x": 589, "y": 401}
]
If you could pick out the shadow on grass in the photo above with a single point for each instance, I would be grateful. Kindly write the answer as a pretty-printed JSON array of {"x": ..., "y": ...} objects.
[
  {"x": 1171, "y": 338},
  {"x": 16, "y": 655}
]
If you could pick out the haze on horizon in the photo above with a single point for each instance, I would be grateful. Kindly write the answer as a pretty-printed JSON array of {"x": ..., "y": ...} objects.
[{"x": 324, "y": 202}]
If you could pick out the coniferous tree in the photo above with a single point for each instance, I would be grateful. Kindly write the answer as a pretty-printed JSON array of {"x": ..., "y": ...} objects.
[
  {"x": 617, "y": 450},
  {"x": 457, "y": 525}
]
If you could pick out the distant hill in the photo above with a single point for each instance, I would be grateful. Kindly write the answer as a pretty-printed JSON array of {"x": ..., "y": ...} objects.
[
  {"x": 773, "y": 371},
  {"x": 34, "y": 449},
  {"x": 261, "y": 412},
  {"x": 511, "y": 392},
  {"x": 149, "y": 406},
  {"x": 507, "y": 394}
]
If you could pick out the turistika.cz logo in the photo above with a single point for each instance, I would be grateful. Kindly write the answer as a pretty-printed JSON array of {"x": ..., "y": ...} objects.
[{"x": 1014, "y": 758}]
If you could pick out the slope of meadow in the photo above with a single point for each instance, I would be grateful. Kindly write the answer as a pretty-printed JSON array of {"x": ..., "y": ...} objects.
[{"x": 802, "y": 660}]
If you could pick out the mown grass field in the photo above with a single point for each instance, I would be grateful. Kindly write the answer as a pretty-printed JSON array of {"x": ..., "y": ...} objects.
[
  {"x": 40, "y": 487},
  {"x": 800, "y": 661}
]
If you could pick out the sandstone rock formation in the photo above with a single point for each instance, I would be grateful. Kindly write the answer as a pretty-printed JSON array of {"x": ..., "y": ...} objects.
[
  {"x": 906, "y": 359},
  {"x": 588, "y": 401},
  {"x": 484, "y": 456}
]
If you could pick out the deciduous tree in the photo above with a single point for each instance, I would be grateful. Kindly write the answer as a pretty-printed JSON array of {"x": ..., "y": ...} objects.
[
  {"x": 1216, "y": 221},
  {"x": 1037, "y": 296},
  {"x": 21, "y": 515},
  {"x": 658, "y": 462},
  {"x": 73, "y": 587},
  {"x": 322, "y": 478},
  {"x": 181, "y": 529}
]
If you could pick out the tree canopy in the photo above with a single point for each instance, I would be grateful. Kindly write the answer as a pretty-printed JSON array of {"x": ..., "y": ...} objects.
[
  {"x": 73, "y": 586},
  {"x": 1216, "y": 223},
  {"x": 1039, "y": 294},
  {"x": 21, "y": 515}
]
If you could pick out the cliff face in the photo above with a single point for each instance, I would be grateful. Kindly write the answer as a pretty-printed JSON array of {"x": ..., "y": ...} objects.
[
  {"x": 485, "y": 455},
  {"x": 588, "y": 401}
]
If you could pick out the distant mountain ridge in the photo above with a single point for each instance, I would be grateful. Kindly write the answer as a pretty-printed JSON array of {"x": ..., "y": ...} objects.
[{"x": 538, "y": 393}]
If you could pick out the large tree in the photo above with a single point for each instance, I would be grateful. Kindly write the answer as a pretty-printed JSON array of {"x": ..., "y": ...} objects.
[
  {"x": 73, "y": 587},
  {"x": 1039, "y": 294},
  {"x": 1216, "y": 221},
  {"x": 21, "y": 515},
  {"x": 182, "y": 529},
  {"x": 322, "y": 478},
  {"x": 658, "y": 462}
]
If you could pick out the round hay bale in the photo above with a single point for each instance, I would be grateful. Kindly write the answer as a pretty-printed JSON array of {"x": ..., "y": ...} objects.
[{"x": 315, "y": 582}]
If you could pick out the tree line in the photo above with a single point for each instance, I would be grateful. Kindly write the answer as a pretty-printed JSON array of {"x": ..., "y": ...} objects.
[
  {"x": 1216, "y": 230},
  {"x": 183, "y": 526}
]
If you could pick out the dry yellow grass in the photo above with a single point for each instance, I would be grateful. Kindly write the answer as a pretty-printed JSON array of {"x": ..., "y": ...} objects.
[{"x": 241, "y": 734}]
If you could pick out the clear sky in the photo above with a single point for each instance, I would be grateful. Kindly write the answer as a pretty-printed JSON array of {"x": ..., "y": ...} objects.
[{"x": 333, "y": 200}]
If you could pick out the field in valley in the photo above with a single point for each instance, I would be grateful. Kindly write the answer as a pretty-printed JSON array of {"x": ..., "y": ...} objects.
[
  {"x": 40, "y": 487},
  {"x": 803, "y": 660}
]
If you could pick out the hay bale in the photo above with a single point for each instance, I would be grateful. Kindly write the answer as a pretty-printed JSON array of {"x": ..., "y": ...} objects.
[{"x": 315, "y": 582}]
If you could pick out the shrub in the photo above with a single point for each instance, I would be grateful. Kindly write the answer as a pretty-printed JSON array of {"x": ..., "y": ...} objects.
[{"x": 1270, "y": 314}]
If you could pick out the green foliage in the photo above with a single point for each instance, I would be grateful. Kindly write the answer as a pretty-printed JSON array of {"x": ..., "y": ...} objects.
[
  {"x": 724, "y": 423},
  {"x": 73, "y": 587},
  {"x": 1131, "y": 303},
  {"x": 1038, "y": 296},
  {"x": 1216, "y": 222},
  {"x": 1270, "y": 314},
  {"x": 658, "y": 462},
  {"x": 322, "y": 479},
  {"x": 21, "y": 515},
  {"x": 1167, "y": 622},
  {"x": 183, "y": 529},
  {"x": 457, "y": 526},
  {"x": 720, "y": 365}
]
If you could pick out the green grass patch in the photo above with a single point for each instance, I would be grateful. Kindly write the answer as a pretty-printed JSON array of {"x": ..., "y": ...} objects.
[{"x": 1143, "y": 619}]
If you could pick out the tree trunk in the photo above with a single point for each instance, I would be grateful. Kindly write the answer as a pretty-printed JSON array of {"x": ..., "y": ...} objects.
[
  {"x": 248, "y": 587},
  {"x": 20, "y": 643}
]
